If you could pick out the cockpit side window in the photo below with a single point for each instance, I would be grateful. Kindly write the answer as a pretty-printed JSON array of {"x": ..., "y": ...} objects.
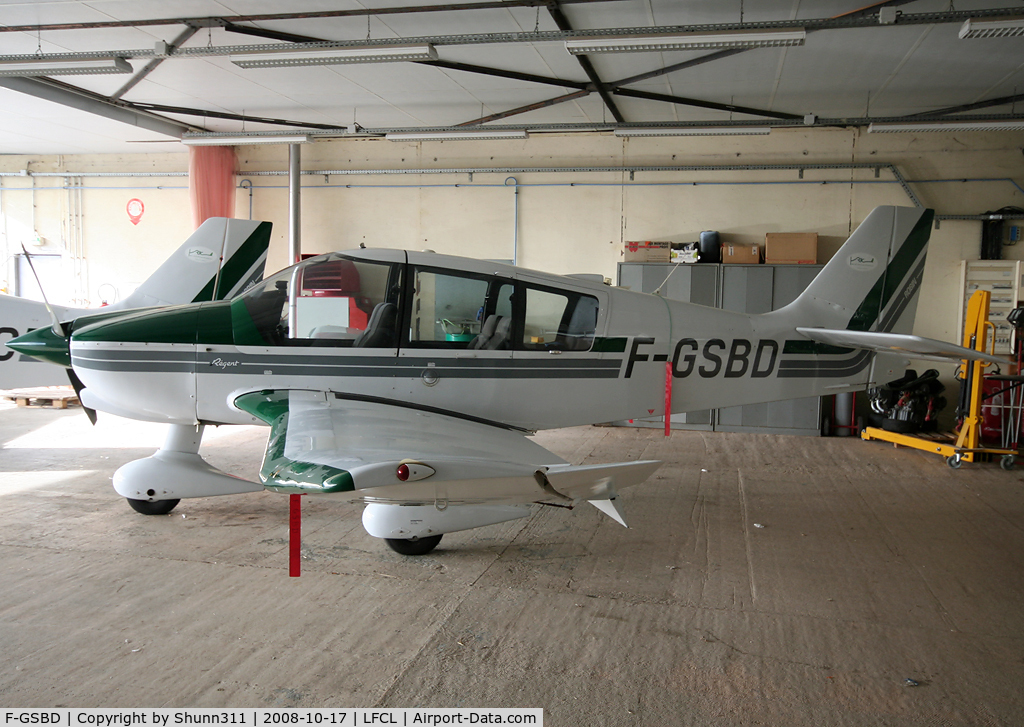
[
  {"x": 558, "y": 320},
  {"x": 330, "y": 300},
  {"x": 453, "y": 310}
]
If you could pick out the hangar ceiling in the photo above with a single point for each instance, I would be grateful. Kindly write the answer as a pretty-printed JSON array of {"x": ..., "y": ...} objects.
[{"x": 499, "y": 63}]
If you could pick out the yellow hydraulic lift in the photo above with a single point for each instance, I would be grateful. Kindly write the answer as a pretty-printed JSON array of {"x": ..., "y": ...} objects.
[{"x": 964, "y": 446}]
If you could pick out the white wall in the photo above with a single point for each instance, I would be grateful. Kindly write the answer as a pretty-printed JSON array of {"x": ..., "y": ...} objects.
[{"x": 568, "y": 221}]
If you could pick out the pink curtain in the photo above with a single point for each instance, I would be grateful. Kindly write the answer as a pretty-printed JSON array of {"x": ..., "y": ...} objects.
[{"x": 211, "y": 182}]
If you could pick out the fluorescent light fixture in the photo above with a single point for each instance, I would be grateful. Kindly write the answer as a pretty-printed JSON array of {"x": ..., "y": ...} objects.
[
  {"x": 1003, "y": 28},
  {"x": 688, "y": 41},
  {"x": 243, "y": 140},
  {"x": 334, "y": 56},
  {"x": 53, "y": 67},
  {"x": 1016, "y": 125},
  {"x": 695, "y": 131},
  {"x": 455, "y": 135}
]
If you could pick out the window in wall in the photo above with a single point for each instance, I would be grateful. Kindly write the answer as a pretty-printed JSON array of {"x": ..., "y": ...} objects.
[{"x": 559, "y": 320}]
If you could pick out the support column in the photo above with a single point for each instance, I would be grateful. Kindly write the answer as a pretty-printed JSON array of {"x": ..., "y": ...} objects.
[{"x": 294, "y": 206}]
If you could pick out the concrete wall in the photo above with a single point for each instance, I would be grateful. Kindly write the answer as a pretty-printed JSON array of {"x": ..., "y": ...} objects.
[{"x": 567, "y": 221}]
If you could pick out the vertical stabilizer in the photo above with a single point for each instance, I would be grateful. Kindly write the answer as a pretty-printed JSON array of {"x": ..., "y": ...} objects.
[
  {"x": 194, "y": 274},
  {"x": 872, "y": 283}
]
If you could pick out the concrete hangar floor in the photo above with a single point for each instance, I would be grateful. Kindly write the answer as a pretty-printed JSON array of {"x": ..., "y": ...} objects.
[{"x": 764, "y": 580}]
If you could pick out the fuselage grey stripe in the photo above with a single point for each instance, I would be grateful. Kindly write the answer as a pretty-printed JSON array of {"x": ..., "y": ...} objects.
[
  {"x": 235, "y": 360},
  {"x": 385, "y": 371}
]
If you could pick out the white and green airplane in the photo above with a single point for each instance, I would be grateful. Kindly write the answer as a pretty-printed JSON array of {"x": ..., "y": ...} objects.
[
  {"x": 410, "y": 381},
  {"x": 222, "y": 258}
]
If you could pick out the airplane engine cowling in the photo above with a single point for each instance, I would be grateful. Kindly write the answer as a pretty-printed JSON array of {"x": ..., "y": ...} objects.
[{"x": 422, "y": 521}]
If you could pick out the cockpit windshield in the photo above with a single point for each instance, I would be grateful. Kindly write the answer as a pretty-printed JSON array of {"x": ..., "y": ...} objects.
[{"x": 329, "y": 300}]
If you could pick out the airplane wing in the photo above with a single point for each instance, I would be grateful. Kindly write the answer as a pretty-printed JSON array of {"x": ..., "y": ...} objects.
[
  {"x": 354, "y": 448},
  {"x": 928, "y": 349}
]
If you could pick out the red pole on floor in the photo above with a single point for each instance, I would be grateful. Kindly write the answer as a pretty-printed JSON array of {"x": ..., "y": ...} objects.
[
  {"x": 295, "y": 536},
  {"x": 668, "y": 398}
]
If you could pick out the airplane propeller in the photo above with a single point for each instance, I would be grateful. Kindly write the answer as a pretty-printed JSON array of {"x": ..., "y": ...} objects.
[{"x": 51, "y": 344}]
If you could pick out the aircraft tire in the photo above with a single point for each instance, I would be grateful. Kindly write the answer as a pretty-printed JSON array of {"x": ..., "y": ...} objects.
[
  {"x": 147, "y": 507},
  {"x": 422, "y": 546}
]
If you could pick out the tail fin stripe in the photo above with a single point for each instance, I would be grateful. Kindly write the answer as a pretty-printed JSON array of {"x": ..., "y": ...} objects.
[
  {"x": 894, "y": 276},
  {"x": 908, "y": 290},
  {"x": 247, "y": 255}
]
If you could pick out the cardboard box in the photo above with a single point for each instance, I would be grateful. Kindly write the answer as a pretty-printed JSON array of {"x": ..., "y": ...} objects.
[
  {"x": 733, "y": 253},
  {"x": 791, "y": 247},
  {"x": 647, "y": 252}
]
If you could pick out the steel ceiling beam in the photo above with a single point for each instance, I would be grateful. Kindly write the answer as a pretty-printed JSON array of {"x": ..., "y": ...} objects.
[
  {"x": 835, "y": 23},
  {"x": 67, "y": 95},
  {"x": 530, "y": 36},
  {"x": 205, "y": 113},
  {"x": 683, "y": 101},
  {"x": 221, "y": 20},
  {"x": 151, "y": 66},
  {"x": 271, "y": 34},
  {"x": 717, "y": 56},
  {"x": 524, "y": 109},
  {"x": 500, "y": 73},
  {"x": 969, "y": 107},
  {"x": 563, "y": 24}
]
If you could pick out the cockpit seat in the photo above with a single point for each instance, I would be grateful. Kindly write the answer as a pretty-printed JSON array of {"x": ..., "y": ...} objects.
[
  {"x": 380, "y": 329},
  {"x": 500, "y": 340},
  {"x": 493, "y": 334},
  {"x": 486, "y": 332}
]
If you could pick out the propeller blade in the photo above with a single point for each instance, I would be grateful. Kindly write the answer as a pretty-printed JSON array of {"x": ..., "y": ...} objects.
[
  {"x": 57, "y": 329},
  {"x": 78, "y": 386}
]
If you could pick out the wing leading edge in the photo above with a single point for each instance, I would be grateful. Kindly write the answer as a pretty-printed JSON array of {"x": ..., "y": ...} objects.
[{"x": 353, "y": 449}]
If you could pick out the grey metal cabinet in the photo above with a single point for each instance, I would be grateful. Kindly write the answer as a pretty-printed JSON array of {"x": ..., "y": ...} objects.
[
  {"x": 688, "y": 283},
  {"x": 759, "y": 289},
  {"x": 743, "y": 288}
]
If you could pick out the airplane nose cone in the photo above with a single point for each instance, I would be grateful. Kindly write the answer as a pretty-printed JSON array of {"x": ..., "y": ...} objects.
[{"x": 44, "y": 345}]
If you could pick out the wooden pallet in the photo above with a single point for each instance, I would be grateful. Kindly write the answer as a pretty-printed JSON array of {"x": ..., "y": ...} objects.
[{"x": 55, "y": 397}]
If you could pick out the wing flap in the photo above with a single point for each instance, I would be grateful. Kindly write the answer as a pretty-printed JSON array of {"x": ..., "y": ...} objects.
[{"x": 928, "y": 349}]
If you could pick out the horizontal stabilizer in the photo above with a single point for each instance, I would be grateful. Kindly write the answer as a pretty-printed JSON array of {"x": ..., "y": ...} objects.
[
  {"x": 928, "y": 349},
  {"x": 611, "y": 509}
]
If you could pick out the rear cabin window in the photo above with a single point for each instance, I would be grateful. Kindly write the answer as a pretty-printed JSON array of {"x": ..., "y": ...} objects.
[
  {"x": 329, "y": 300},
  {"x": 559, "y": 320}
]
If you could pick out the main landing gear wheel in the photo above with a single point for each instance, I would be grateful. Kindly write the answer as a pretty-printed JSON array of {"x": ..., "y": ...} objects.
[
  {"x": 148, "y": 507},
  {"x": 421, "y": 546},
  {"x": 954, "y": 461}
]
